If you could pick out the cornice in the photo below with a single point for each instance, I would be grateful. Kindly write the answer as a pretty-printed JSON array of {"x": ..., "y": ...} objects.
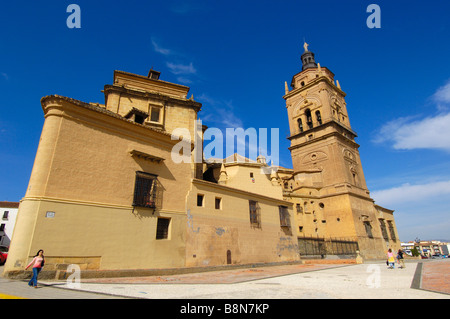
[
  {"x": 158, "y": 96},
  {"x": 336, "y": 134},
  {"x": 57, "y": 101},
  {"x": 313, "y": 83},
  {"x": 320, "y": 127}
]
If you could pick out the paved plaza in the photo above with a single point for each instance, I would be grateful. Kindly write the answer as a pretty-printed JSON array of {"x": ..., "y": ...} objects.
[{"x": 428, "y": 279}]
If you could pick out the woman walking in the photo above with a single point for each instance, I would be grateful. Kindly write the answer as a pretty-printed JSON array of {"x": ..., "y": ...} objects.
[
  {"x": 38, "y": 263},
  {"x": 391, "y": 259}
]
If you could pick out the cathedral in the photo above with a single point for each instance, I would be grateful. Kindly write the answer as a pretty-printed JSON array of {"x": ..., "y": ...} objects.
[
  {"x": 105, "y": 193},
  {"x": 327, "y": 184}
]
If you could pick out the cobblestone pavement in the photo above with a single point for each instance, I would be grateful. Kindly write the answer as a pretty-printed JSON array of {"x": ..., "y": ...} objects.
[
  {"x": 307, "y": 281},
  {"x": 436, "y": 276}
]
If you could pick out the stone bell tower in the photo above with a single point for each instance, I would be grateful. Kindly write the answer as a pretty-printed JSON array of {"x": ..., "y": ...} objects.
[
  {"x": 328, "y": 178},
  {"x": 320, "y": 132}
]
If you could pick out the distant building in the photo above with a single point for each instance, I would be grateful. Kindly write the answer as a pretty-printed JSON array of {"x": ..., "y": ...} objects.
[
  {"x": 106, "y": 194},
  {"x": 8, "y": 214},
  {"x": 427, "y": 248}
]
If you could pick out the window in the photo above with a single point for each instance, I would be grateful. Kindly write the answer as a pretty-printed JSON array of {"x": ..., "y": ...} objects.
[
  {"x": 368, "y": 229},
  {"x": 309, "y": 121},
  {"x": 391, "y": 230},
  {"x": 383, "y": 229},
  {"x": 300, "y": 125},
  {"x": 145, "y": 190},
  {"x": 319, "y": 118},
  {"x": 2, "y": 227},
  {"x": 136, "y": 115},
  {"x": 139, "y": 119},
  {"x": 5, "y": 215},
  {"x": 251, "y": 174},
  {"x": 255, "y": 214},
  {"x": 200, "y": 198},
  {"x": 155, "y": 114},
  {"x": 162, "y": 228},
  {"x": 299, "y": 208},
  {"x": 285, "y": 219},
  {"x": 218, "y": 203}
]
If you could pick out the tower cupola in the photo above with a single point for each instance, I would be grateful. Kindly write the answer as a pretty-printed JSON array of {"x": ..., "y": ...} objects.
[{"x": 308, "y": 58}]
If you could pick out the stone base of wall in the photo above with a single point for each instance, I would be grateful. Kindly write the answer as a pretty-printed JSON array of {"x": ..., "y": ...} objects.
[
  {"x": 61, "y": 263},
  {"x": 330, "y": 261},
  {"x": 55, "y": 267}
]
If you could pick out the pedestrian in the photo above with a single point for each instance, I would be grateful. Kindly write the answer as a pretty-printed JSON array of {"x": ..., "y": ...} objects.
[
  {"x": 400, "y": 260},
  {"x": 391, "y": 259},
  {"x": 37, "y": 262}
]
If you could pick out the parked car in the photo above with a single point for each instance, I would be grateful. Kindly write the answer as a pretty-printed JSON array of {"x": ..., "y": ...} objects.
[
  {"x": 3, "y": 254},
  {"x": 437, "y": 256}
]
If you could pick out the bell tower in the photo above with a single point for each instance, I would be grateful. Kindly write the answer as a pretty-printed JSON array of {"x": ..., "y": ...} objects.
[
  {"x": 321, "y": 136},
  {"x": 328, "y": 180}
]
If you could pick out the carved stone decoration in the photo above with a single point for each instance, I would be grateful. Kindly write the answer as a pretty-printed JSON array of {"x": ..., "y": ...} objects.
[
  {"x": 349, "y": 156},
  {"x": 314, "y": 157}
]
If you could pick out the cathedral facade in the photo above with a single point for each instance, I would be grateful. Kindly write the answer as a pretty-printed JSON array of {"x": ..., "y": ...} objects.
[{"x": 105, "y": 193}]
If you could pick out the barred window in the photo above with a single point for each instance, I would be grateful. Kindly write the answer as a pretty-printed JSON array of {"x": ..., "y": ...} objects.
[
  {"x": 383, "y": 229},
  {"x": 391, "y": 230},
  {"x": 145, "y": 190},
  {"x": 285, "y": 220},
  {"x": 162, "y": 228},
  {"x": 255, "y": 214},
  {"x": 368, "y": 229}
]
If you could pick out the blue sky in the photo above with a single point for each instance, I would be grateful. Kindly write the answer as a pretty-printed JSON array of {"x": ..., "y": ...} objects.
[{"x": 236, "y": 56}]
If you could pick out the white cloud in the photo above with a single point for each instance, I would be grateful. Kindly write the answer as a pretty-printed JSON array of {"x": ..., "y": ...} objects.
[
  {"x": 428, "y": 133},
  {"x": 442, "y": 94},
  {"x": 181, "y": 68},
  {"x": 219, "y": 112},
  {"x": 421, "y": 210},
  {"x": 418, "y": 132},
  {"x": 160, "y": 49},
  {"x": 183, "y": 80},
  {"x": 407, "y": 193}
]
